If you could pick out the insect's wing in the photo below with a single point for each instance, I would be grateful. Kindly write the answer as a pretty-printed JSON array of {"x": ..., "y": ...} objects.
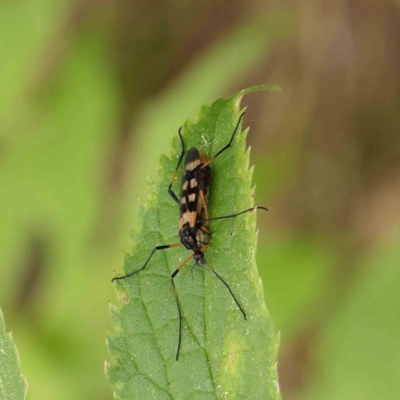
[{"x": 190, "y": 189}]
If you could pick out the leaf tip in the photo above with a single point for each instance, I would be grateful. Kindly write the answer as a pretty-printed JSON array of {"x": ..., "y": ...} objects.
[{"x": 257, "y": 88}]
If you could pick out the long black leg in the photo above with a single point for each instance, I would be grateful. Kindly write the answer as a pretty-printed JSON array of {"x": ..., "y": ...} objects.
[
  {"x": 170, "y": 191},
  {"x": 177, "y": 303},
  {"x": 163, "y": 247},
  {"x": 232, "y": 215},
  {"x": 180, "y": 320},
  {"x": 227, "y": 146},
  {"x": 230, "y": 290}
]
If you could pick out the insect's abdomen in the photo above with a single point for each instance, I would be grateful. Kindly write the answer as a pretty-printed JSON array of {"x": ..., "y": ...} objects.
[
  {"x": 192, "y": 161},
  {"x": 205, "y": 176},
  {"x": 194, "y": 178}
]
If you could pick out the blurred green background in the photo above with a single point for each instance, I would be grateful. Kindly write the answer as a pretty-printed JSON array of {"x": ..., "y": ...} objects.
[{"x": 92, "y": 92}]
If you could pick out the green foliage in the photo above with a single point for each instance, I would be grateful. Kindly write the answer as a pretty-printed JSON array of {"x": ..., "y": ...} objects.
[
  {"x": 297, "y": 265},
  {"x": 362, "y": 340},
  {"x": 12, "y": 383},
  {"x": 222, "y": 355}
]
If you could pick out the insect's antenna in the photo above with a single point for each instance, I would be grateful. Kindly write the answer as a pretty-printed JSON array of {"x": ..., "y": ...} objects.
[
  {"x": 233, "y": 215},
  {"x": 230, "y": 290}
]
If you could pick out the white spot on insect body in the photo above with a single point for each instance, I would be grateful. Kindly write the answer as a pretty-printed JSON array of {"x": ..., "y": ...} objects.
[
  {"x": 192, "y": 165},
  {"x": 192, "y": 197}
]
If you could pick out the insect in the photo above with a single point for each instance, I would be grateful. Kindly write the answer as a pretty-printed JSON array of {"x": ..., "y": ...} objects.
[{"x": 194, "y": 218}]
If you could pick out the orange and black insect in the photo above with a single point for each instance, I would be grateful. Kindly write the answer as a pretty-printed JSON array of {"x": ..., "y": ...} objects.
[{"x": 194, "y": 218}]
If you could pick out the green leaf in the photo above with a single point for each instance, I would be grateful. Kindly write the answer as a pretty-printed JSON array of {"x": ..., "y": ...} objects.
[
  {"x": 222, "y": 355},
  {"x": 12, "y": 383},
  {"x": 361, "y": 340}
]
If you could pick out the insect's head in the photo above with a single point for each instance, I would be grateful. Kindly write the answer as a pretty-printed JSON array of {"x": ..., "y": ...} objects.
[{"x": 198, "y": 256}]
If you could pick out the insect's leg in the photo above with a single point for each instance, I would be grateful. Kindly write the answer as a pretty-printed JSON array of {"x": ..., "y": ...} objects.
[
  {"x": 201, "y": 194},
  {"x": 230, "y": 290},
  {"x": 233, "y": 215},
  {"x": 180, "y": 319},
  {"x": 205, "y": 205},
  {"x": 170, "y": 191},
  {"x": 205, "y": 230},
  {"x": 163, "y": 247},
  {"x": 227, "y": 146},
  {"x": 177, "y": 303}
]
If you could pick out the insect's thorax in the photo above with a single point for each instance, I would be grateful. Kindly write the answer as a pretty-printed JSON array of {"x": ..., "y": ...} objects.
[{"x": 193, "y": 238}]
